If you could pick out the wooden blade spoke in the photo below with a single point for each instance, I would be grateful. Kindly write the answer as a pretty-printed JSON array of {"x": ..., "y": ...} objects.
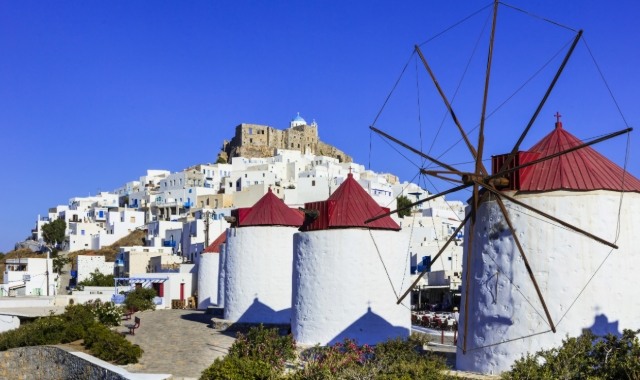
[
  {"x": 526, "y": 262},
  {"x": 542, "y": 102},
  {"x": 486, "y": 90},
  {"x": 416, "y": 151},
  {"x": 473, "y": 151},
  {"x": 436, "y": 257},
  {"x": 550, "y": 217},
  {"x": 438, "y": 174},
  {"x": 408, "y": 207}
]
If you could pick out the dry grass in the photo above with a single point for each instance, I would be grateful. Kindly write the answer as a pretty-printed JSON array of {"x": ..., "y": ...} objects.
[
  {"x": 110, "y": 252},
  {"x": 17, "y": 254}
]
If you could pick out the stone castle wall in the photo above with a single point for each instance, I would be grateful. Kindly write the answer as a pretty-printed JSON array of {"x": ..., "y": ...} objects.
[{"x": 254, "y": 140}]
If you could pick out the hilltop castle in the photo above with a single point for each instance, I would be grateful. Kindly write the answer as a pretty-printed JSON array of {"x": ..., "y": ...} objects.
[{"x": 254, "y": 140}]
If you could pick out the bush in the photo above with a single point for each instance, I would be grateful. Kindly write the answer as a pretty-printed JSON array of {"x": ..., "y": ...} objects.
[
  {"x": 586, "y": 356},
  {"x": 394, "y": 359},
  {"x": 45, "y": 330},
  {"x": 140, "y": 299},
  {"x": 98, "y": 279},
  {"x": 107, "y": 313},
  {"x": 235, "y": 368},
  {"x": 260, "y": 354},
  {"x": 266, "y": 345},
  {"x": 111, "y": 346},
  {"x": 77, "y": 322}
]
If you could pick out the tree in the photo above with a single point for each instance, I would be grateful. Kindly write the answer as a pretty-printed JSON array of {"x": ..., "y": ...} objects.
[
  {"x": 59, "y": 262},
  {"x": 53, "y": 233},
  {"x": 140, "y": 299},
  {"x": 402, "y": 203}
]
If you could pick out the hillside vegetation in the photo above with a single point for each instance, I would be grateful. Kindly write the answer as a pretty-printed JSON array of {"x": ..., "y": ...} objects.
[
  {"x": 137, "y": 237},
  {"x": 110, "y": 252}
]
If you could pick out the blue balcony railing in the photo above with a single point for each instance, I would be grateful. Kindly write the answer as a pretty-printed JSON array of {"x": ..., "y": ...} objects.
[
  {"x": 169, "y": 243},
  {"x": 188, "y": 204}
]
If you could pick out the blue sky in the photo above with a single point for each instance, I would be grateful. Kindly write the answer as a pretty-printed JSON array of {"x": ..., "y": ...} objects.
[{"x": 92, "y": 94}]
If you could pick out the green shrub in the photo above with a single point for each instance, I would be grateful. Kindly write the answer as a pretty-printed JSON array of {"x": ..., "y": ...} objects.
[
  {"x": 77, "y": 322},
  {"x": 334, "y": 362},
  {"x": 78, "y": 319},
  {"x": 584, "y": 357},
  {"x": 235, "y": 368},
  {"x": 107, "y": 313},
  {"x": 98, "y": 278},
  {"x": 395, "y": 359},
  {"x": 111, "y": 346},
  {"x": 260, "y": 354},
  {"x": 266, "y": 345},
  {"x": 140, "y": 299},
  {"x": 45, "y": 330}
]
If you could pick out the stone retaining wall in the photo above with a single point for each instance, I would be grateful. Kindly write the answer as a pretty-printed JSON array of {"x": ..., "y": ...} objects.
[{"x": 48, "y": 362}]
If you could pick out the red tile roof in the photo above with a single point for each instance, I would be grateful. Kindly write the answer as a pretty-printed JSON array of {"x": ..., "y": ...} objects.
[
  {"x": 215, "y": 246},
  {"x": 583, "y": 169},
  {"x": 348, "y": 207},
  {"x": 269, "y": 211}
]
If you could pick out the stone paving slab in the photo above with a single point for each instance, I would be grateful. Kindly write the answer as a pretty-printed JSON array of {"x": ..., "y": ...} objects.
[{"x": 179, "y": 342}]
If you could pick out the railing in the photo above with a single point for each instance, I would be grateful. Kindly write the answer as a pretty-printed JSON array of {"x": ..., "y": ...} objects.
[{"x": 169, "y": 243}]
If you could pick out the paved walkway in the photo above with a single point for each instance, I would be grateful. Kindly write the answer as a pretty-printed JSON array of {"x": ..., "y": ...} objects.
[{"x": 179, "y": 342}]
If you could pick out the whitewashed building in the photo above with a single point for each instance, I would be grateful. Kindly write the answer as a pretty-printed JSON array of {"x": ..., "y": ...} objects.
[
  {"x": 585, "y": 284},
  {"x": 88, "y": 264},
  {"x": 258, "y": 266},
  {"x": 29, "y": 277},
  {"x": 209, "y": 273},
  {"x": 347, "y": 274}
]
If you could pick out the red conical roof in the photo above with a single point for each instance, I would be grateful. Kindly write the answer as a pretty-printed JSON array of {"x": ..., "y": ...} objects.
[
  {"x": 583, "y": 169},
  {"x": 349, "y": 206},
  {"x": 215, "y": 246},
  {"x": 271, "y": 211}
]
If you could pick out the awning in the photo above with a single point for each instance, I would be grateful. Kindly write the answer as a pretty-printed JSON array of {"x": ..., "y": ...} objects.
[
  {"x": 435, "y": 287},
  {"x": 141, "y": 279}
]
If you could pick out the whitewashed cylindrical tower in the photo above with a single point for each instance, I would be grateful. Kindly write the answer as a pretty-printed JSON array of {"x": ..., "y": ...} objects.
[
  {"x": 585, "y": 284},
  {"x": 259, "y": 257},
  {"x": 347, "y": 274},
  {"x": 209, "y": 273},
  {"x": 223, "y": 274}
]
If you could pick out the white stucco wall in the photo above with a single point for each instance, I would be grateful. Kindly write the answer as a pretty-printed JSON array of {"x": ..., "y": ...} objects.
[
  {"x": 223, "y": 273},
  {"x": 8, "y": 322},
  {"x": 208, "y": 277},
  {"x": 258, "y": 274},
  {"x": 506, "y": 319},
  {"x": 341, "y": 289},
  {"x": 35, "y": 269},
  {"x": 88, "y": 264}
]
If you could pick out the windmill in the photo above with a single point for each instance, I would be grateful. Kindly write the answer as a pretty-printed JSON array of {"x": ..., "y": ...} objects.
[{"x": 490, "y": 187}]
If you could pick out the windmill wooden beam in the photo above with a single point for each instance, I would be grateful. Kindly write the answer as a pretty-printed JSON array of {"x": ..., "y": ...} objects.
[
  {"x": 436, "y": 257},
  {"x": 473, "y": 151},
  {"x": 416, "y": 151},
  {"x": 516, "y": 147},
  {"x": 526, "y": 262}
]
